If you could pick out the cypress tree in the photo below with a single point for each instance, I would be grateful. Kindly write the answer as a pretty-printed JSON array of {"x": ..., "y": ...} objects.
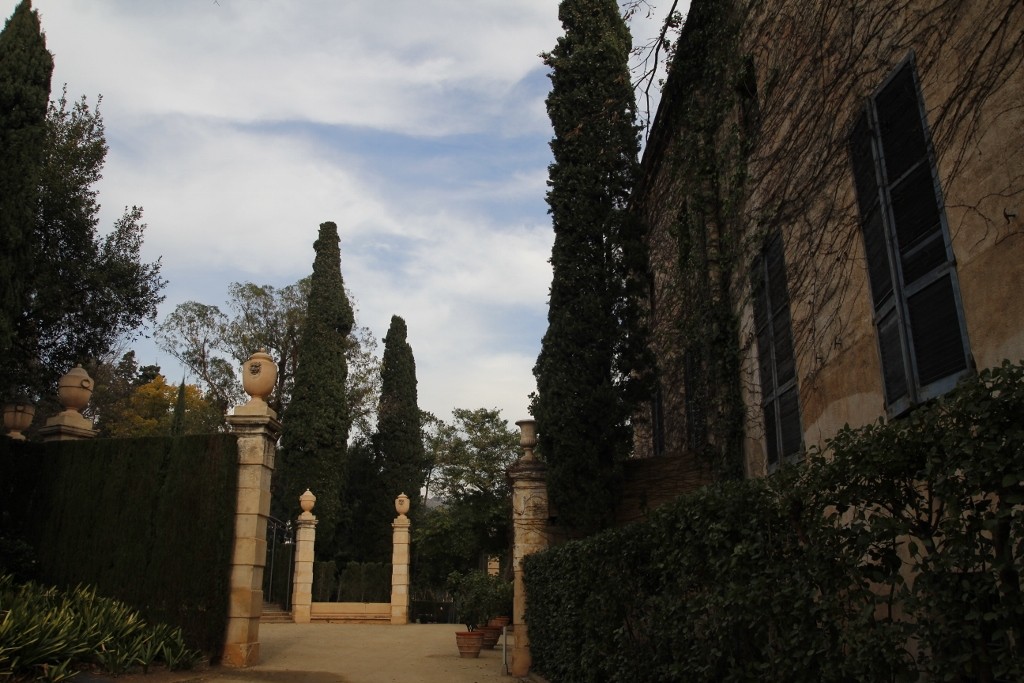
[
  {"x": 399, "y": 440},
  {"x": 581, "y": 402},
  {"x": 178, "y": 418},
  {"x": 315, "y": 438},
  {"x": 25, "y": 69}
]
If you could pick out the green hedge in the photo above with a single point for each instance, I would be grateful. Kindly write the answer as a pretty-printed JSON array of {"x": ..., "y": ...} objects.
[
  {"x": 146, "y": 521},
  {"x": 894, "y": 554}
]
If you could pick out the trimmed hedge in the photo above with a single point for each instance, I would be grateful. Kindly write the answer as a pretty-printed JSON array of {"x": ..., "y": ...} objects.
[
  {"x": 893, "y": 554},
  {"x": 146, "y": 521}
]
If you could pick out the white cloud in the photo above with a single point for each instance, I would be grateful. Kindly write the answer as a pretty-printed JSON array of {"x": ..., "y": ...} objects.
[{"x": 416, "y": 125}]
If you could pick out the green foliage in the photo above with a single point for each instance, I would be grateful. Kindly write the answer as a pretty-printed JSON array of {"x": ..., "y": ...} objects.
[
  {"x": 399, "y": 441},
  {"x": 710, "y": 112},
  {"x": 25, "y": 69},
  {"x": 48, "y": 634},
  {"x": 589, "y": 354},
  {"x": 470, "y": 457},
  {"x": 146, "y": 521},
  {"x": 213, "y": 343},
  {"x": 86, "y": 290},
  {"x": 480, "y": 596},
  {"x": 365, "y": 582},
  {"x": 317, "y": 422},
  {"x": 894, "y": 554}
]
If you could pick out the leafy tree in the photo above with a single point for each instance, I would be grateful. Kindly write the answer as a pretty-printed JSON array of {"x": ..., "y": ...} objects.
[
  {"x": 25, "y": 69},
  {"x": 470, "y": 457},
  {"x": 582, "y": 405},
  {"x": 85, "y": 291},
  {"x": 150, "y": 411},
  {"x": 399, "y": 440},
  {"x": 194, "y": 334},
  {"x": 317, "y": 420},
  {"x": 212, "y": 344}
]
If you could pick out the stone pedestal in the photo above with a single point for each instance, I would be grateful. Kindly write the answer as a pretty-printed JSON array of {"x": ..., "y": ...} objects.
[
  {"x": 305, "y": 542},
  {"x": 68, "y": 425},
  {"x": 258, "y": 431},
  {"x": 400, "y": 563},
  {"x": 529, "y": 529}
]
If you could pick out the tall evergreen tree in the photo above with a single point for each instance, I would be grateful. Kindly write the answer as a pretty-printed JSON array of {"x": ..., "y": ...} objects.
[
  {"x": 317, "y": 423},
  {"x": 399, "y": 439},
  {"x": 581, "y": 406},
  {"x": 25, "y": 69}
]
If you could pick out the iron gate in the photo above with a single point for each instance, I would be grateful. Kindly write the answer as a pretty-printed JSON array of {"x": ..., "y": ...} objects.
[{"x": 277, "y": 573}]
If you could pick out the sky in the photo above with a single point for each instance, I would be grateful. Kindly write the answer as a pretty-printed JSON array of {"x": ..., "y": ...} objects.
[{"x": 418, "y": 126}]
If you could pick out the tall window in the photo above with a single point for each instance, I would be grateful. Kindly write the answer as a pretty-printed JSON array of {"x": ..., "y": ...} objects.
[
  {"x": 779, "y": 398},
  {"x": 918, "y": 314}
]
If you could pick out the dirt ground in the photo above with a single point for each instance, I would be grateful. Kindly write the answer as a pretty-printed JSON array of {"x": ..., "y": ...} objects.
[{"x": 348, "y": 653}]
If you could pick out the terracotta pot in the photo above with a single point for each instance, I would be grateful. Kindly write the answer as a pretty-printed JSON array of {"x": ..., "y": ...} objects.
[
  {"x": 499, "y": 621},
  {"x": 491, "y": 634},
  {"x": 469, "y": 643}
]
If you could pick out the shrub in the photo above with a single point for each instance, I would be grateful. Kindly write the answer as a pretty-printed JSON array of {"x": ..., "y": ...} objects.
[
  {"x": 894, "y": 553},
  {"x": 49, "y": 634}
]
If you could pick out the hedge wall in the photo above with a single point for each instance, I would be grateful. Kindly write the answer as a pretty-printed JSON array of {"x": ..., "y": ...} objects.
[
  {"x": 147, "y": 521},
  {"x": 893, "y": 554}
]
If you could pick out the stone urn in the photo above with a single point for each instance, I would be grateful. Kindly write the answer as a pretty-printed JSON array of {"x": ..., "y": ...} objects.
[
  {"x": 527, "y": 437},
  {"x": 306, "y": 501},
  {"x": 18, "y": 418},
  {"x": 259, "y": 376},
  {"x": 402, "y": 504},
  {"x": 75, "y": 389}
]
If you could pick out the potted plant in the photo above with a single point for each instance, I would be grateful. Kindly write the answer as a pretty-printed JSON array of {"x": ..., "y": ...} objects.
[
  {"x": 478, "y": 598},
  {"x": 465, "y": 589}
]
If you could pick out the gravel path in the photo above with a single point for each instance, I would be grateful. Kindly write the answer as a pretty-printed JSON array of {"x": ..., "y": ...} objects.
[{"x": 349, "y": 653}]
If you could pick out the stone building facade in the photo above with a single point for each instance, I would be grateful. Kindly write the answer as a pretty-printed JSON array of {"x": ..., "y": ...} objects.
[{"x": 834, "y": 200}]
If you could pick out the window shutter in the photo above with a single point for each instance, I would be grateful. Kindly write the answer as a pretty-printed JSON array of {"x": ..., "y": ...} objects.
[
  {"x": 876, "y": 252},
  {"x": 900, "y": 127},
  {"x": 937, "y": 337}
]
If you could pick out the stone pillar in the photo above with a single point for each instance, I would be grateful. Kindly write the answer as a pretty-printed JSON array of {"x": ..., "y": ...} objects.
[
  {"x": 258, "y": 429},
  {"x": 305, "y": 541},
  {"x": 400, "y": 562},
  {"x": 74, "y": 392},
  {"x": 529, "y": 528}
]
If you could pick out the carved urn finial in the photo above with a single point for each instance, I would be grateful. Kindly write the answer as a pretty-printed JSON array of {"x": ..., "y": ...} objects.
[
  {"x": 528, "y": 437},
  {"x": 402, "y": 504},
  {"x": 17, "y": 418},
  {"x": 259, "y": 376},
  {"x": 306, "y": 501},
  {"x": 75, "y": 390}
]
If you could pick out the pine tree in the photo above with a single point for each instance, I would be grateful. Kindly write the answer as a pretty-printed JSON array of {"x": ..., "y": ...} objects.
[
  {"x": 399, "y": 440},
  {"x": 25, "y": 69},
  {"x": 317, "y": 423},
  {"x": 581, "y": 406}
]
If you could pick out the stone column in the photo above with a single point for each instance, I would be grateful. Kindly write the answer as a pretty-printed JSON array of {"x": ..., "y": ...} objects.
[
  {"x": 529, "y": 528},
  {"x": 400, "y": 562},
  {"x": 74, "y": 392},
  {"x": 305, "y": 541},
  {"x": 258, "y": 429}
]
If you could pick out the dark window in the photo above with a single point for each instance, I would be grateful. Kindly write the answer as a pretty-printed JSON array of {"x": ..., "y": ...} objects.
[
  {"x": 776, "y": 361},
  {"x": 914, "y": 291}
]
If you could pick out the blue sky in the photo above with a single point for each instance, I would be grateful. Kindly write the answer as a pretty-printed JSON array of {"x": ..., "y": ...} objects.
[{"x": 418, "y": 126}]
